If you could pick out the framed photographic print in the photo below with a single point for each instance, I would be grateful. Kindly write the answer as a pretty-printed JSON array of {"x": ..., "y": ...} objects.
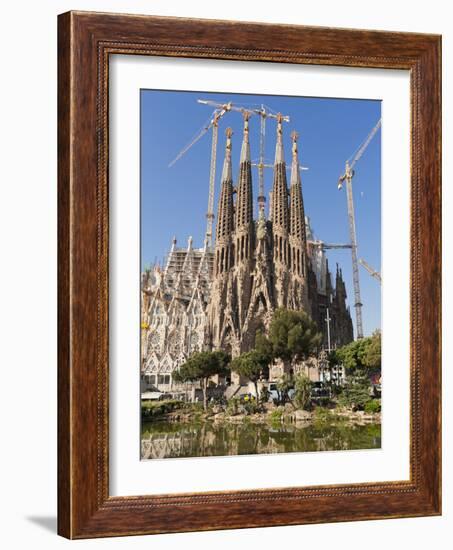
[{"x": 249, "y": 275}]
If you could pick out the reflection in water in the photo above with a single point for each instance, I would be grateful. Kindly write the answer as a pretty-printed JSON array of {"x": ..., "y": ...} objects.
[{"x": 177, "y": 439}]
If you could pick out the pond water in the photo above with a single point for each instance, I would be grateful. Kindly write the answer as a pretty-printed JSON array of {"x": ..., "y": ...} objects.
[{"x": 162, "y": 439}]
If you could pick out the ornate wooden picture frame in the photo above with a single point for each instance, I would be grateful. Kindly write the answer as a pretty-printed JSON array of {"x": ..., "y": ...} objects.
[{"x": 86, "y": 41}]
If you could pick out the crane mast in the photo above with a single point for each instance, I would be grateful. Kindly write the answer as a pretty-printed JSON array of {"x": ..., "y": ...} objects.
[
  {"x": 264, "y": 113},
  {"x": 261, "y": 196},
  {"x": 219, "y": 112},
  {"x": 353, "y": 238},
  {"x": 347, "y": 177},
  {"x": 210, "y": 211}
]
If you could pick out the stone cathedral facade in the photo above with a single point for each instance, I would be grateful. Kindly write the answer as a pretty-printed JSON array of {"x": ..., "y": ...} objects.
[{"x": 218, "y": 299}]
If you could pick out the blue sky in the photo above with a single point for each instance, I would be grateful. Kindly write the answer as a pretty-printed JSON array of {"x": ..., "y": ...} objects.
[{"x": 174, "y": 200}]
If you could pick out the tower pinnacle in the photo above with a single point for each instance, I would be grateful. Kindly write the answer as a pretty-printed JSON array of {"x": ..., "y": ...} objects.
[
  {"x": 279, "y": 157},
  {"x": 279, "y": 211},
  {"x": 225, "y": 225},
  {"x": 244, "y": 203},
  {"x": 245, "y": 150},
  {"x": 297, "y": 232},
  {"x": 226, "y": 172}
]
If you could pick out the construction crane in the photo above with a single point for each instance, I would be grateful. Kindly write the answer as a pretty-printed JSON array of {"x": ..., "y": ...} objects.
[
  {"x": 213, "y": 123},
  {"x": 347, "y": 176},
  {"x": 221, "y": 108},
  {"x": 264, "y": 113},
  {"x": 329, "y": 246},
  {"x": 370, "y": 270}
]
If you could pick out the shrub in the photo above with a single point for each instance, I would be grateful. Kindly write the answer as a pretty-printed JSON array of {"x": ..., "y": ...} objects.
[
  {"x": 152, "y": 409},
  {"x": 302, "y": 387},
  {"x": 233, "y": 406},
  {"x": 251, "y": 407},
  {"x": 321, "y": 414},
  {"x": 355, "y": 395},
  {"x": 276, "y": 416},
  {"x": 373, "y": 406}
]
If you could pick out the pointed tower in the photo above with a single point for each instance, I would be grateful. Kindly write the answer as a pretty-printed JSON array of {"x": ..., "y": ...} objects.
[
  {"x": 342, "y": 317},
  {"x": 244, "y": 202},
  {"x": 280, "y": 221},
  {"x": 222, "y": 328},
  {"x": 297, "y": 234},
  {"x": 244, "y": 236},
  {"x": 223, "y": 246}
]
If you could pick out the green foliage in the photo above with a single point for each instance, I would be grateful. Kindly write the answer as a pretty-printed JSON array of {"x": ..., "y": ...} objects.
[
  {"x": 359, "y": 355},
  {"x": 355, "y": 394},
  {"x": 373, "y": 355},
  {"x": 263, "y": 345},
  {"x": 275, "y": 417},
  {"x": 203, "y": 364},
  {"x": 236, "y": 405},
  {"x": 232, "y": 406},
  {"x": 373, "y": 406},
  {"x": 302, "y": 387},
  {"x": 293, "y": 335},
  {"x": 250, "y": 364},
  {"x": 251, "y": 407},
  {"x": 321, "y": 414},
  {"x": 152, "y": 409},
  {"x": 283, "y": 386}
]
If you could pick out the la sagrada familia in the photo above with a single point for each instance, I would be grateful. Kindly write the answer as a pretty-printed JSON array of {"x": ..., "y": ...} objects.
[{"x": 219, "y": 298}]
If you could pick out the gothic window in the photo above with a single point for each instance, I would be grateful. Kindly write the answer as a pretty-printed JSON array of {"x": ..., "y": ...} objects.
[
  {"x": 163, "y": 379},
  {"x": 174, "y": 345},
  {"x": 154, "y": 340},
  {"x": 150, "y": 379},
  {"x": 194, "y": 341}
]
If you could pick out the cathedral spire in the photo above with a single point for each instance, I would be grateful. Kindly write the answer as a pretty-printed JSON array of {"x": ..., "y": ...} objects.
[
  {"x": 297, "y": 231},
  {"x": 297, "y": 214},
  {"x": 279, "y": 209},
  {"x": 244, "y": 225},
  {"x": 280, "y": 188},
  {"x": 225, "y": 224},
  {"x": 226, "y": 172},
  {"x": 279, "y": 156},
  {"x": 244, "y": 203},
  {"x": 245, "y": 150}
]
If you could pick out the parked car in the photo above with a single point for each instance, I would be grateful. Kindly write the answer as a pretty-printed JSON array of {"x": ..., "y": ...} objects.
[
  {"x": 155, "y": 396},
  {"x": 275, "y": 396},
  {"x": 320, "y": 391}
]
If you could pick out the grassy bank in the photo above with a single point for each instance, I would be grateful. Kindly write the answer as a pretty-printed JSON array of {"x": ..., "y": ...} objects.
[{"x": 236, "y": 411}]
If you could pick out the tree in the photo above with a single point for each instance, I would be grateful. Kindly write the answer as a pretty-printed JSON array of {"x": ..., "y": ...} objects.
[
  {"x": 201, "y": 366},
  {"x": 293, "y": 335},
  {"x": 263, "y": 345},
  {"x": 251, "y": 365},
  {"x": 302, "y": 387},
  {"x": 356, "y": 393},
  {"x": 372, "y": 357},
  {"x": 360, "y": 355}
]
